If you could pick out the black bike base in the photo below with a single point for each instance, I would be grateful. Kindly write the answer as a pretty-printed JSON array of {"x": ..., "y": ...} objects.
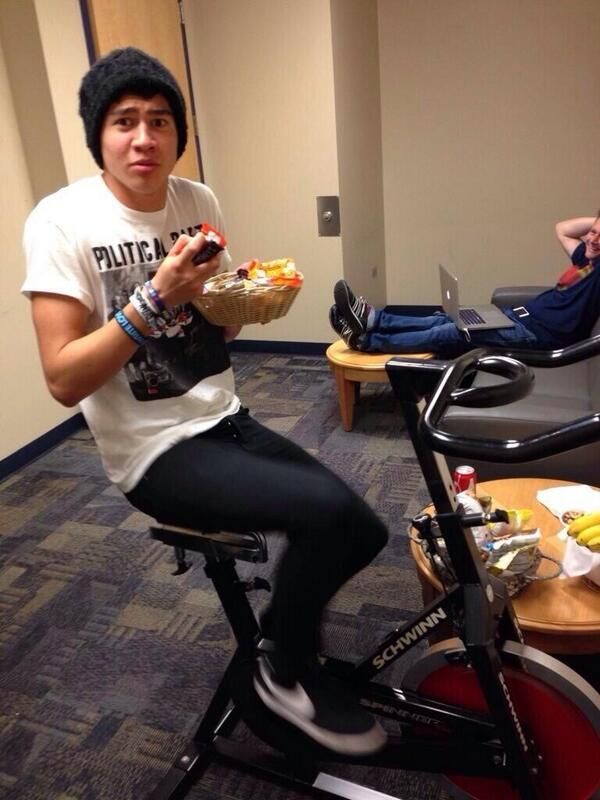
[
  {"x": 235, "y": 700},
  {"x": 273, "y": 767}
]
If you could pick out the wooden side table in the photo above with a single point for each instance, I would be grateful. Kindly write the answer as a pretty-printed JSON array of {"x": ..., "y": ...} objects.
[
  {"x": 560, "y": 616},
  {"x": 351, "y": 368}
]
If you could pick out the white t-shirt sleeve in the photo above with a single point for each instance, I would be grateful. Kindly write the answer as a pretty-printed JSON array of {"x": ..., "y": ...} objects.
[{"x": 52, "y": 262}]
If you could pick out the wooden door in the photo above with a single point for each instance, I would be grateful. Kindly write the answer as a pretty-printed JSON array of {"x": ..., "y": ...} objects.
[{"x": 154, "y": 26}]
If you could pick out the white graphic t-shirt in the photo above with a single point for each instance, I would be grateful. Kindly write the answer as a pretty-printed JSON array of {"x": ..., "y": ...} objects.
[{"x": 81, "y": 242}]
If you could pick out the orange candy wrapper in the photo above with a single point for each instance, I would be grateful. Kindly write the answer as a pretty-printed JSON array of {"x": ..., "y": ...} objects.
[{"x": 280, "y": 272}]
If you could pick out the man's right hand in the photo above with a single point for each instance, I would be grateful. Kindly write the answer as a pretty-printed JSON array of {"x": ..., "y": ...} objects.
[{"x": 178, "y": 280}]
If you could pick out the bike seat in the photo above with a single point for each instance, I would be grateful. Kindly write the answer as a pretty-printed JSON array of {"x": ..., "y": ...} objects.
[{"x": 217, "y": 545}]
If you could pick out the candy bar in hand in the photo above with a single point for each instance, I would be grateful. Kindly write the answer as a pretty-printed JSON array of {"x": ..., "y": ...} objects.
[{"x": 215, "y": 242}]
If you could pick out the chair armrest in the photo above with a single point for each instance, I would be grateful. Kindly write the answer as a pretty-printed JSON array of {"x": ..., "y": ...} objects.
[
  {"x": 580, "y": 351},
  {"x": 511, "y": 296}
]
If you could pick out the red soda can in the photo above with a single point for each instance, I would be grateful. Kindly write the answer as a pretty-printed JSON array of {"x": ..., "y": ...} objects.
[{"x": 464, "y": 479}]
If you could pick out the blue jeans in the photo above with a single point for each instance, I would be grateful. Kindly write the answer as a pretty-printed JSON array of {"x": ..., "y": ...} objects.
[{"x": 395, "y": 333}]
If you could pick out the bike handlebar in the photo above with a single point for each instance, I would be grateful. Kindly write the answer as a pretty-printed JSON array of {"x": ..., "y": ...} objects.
[{"x": 519, "y": 382}]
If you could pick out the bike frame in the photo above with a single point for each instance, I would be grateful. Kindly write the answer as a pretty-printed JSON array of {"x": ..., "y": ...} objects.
[{"x": 480, "y": 607}]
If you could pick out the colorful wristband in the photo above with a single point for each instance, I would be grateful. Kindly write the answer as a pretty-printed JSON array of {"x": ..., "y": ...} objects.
[
  {"x": 129, "y": 328},
  {"x": 155, "y": 297}
]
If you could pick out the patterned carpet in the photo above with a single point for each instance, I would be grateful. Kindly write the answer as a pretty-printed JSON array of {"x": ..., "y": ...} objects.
[{"x": 107, "y": 660}]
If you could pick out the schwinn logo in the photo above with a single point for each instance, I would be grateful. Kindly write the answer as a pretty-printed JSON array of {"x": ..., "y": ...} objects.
[
  {"x": 412, "y": 635},
  {"x": 513, "y": 712}
]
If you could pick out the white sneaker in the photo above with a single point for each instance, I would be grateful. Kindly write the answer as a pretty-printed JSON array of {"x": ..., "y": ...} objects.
[{"x": 321, "y": 710}]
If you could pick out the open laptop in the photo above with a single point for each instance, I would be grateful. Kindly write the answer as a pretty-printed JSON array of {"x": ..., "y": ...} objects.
[{"x": 475, "y": 318}]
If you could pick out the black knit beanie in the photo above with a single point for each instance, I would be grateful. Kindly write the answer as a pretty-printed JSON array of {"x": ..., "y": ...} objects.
[{"x": 127, "y": 71}]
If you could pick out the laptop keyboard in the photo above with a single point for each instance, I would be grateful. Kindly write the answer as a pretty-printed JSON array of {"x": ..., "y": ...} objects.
[{"x": 470, "y": 317}]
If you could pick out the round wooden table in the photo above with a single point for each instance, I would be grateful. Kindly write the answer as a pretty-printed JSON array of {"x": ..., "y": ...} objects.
[
  {"x": 351, "y": 368},
  {"x": 560, "y": 616}
]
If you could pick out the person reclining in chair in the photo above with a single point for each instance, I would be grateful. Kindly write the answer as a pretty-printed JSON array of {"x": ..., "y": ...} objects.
[
  {"x": 555, "y": 318},
  {"x": 111, "y": 276}
]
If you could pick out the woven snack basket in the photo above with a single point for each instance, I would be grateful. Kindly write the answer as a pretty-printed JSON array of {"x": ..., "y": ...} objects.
[{"x": 236, "y": 305}]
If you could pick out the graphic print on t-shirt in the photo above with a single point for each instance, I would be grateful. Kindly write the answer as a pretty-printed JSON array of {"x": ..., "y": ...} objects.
[{"x": 176, "y": 358}]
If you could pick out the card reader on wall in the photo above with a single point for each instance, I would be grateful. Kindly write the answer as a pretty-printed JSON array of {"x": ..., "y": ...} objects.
[{"x": 328, "y": 215}]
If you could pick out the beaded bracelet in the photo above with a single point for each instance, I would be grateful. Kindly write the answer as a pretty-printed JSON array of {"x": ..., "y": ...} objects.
[{"x": 129, "y": 328}]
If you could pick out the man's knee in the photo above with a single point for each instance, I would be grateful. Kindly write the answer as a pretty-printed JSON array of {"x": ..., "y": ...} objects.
[
  {"x": 357, "y": 518},
  {"x": 374, "y": 533},
  {"x": 333, "y": 510}
]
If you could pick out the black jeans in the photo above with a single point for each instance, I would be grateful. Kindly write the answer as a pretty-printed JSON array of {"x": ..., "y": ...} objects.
[{"x": 242, "y": 476}]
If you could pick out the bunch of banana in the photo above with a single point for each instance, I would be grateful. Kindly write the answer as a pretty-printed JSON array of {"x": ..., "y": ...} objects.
[{"x": 586, "y": 530}]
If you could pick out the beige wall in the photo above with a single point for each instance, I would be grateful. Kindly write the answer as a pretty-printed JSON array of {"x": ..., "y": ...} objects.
[
  {"x": 32, "y": 105},
  {"x": 37, "y": 157},
  {"x": 59, "y": 22},
  {"x": 263, "y": 85},
  {"x": 25, "y": 412},
  {"x": 358, "y": 135},
  {"x": 479, "y": 145},
  {"x": 489, "y": 113}
]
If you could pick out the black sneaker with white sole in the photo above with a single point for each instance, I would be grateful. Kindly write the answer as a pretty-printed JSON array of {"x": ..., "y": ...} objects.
[
  {"x": 354, "y": 309},
  {"x": 321, "y": 709},
  {"x": 343, "y": 329}
]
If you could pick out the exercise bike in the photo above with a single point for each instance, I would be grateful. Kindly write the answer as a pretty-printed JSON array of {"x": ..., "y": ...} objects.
[{"x": 500, "y": 720}]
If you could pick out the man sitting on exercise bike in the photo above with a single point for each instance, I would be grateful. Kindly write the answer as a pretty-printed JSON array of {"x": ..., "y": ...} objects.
[{"x": 112, "y": 268}]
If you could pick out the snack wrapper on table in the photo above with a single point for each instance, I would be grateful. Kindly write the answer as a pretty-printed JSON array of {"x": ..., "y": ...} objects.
[
  {"x": 570, "y": 503},
  {"x": 509, "y": 549}
]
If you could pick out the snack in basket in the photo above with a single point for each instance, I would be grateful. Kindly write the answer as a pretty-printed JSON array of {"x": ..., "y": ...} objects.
[
  {"x": 258, "y": 291},
  {"x": 586, "y": 531},
  {"x": 281, "y": 272}
]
